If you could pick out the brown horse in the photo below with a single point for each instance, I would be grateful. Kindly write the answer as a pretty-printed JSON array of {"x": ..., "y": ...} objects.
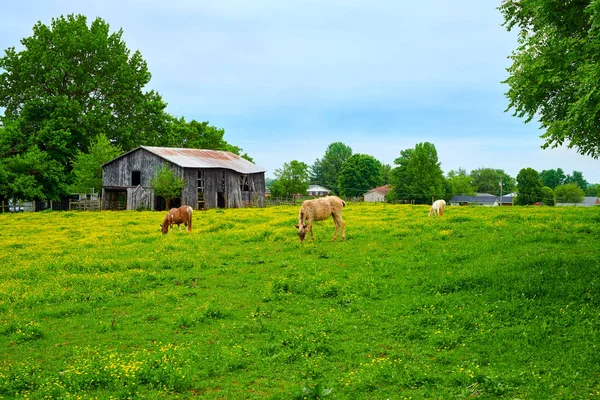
[
  {"x": 177, "y": 216},
  {"x": 319, "y": 210}
]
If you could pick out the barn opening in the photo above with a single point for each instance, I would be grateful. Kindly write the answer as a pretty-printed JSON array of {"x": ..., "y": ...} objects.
[{"x": 136, "y": 178}]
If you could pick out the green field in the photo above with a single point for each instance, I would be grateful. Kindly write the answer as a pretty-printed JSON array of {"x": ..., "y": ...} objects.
[{"x": 480, "y": 303}]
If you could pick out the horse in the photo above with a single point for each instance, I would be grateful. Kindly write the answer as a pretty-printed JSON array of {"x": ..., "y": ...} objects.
[
  {"x": 318, "y": 210},
  {"x": 181, "y": 215},
  {"x": 437, "y": 208}
]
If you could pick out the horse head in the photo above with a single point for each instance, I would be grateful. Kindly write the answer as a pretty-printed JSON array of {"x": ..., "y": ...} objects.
[{"x": 301, "y": 231}]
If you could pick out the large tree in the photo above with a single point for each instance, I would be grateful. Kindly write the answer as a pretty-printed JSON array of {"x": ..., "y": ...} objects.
[
  {"x": 290, "y": 180},
  {"x": 87, "y": 167},
  {"x": 73, "y": 81},
  {"x": 326, "y": 171},
  {"x": 577, "y": 178},
  {"x": 554, "y": 71},
  {"x": 569, "y": 193},
  {"x": 70, "y": 83},
  {"x": 418, "y": 175},
  {"x": 460, "y": 183},
  {"x": 198, "y": 135},
  {"x": 529, "y": 185},
  {"x": 360, "y": 173},
  {"x": 552, "y": 177},
  {"x": 488, "y": 180}
]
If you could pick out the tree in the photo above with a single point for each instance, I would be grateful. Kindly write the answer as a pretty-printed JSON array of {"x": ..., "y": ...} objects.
[
  {"x": 487, "y": 180},
  {"x": 529, "y": 185},
  {"x": 552, "y": 177},
  {"x": 460, "y": 183},
  {"x": 70, "y": 83},
  {"x": 198, "y": 135},
  {"x": 31, "y": 175},
  {"x": 577, "y": 178},
  {"x": 386, "y": 170},
  {"x": 326, "y": 171},
  {"x": 548, "y": 196},
  {"x": 166, "y": 184},
  {"x": 87, "y": 167},
  {"x": 418, "y": 175},
  {"x": 592, "y": 190},
  {"x": 553, "y": 74},
  {"x": 569, "y": 193},
  {"x": 291, "y": 179},
  {"x": 360, "y": 173}
]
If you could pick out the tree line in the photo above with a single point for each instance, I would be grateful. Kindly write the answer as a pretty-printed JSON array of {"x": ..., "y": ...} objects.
[
  {"x": 417, "y": 177},
  {"x": 73, "y": 99}
]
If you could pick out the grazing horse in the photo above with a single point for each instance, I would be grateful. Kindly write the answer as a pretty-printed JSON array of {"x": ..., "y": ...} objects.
[
  {"x": 181, "y": 215},
  {"x": 318, "y": 210},
  {"x": 437, "y": 208}
]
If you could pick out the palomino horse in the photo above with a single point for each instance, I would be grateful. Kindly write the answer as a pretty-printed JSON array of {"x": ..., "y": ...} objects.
[
  {"x": 319, "y": 210},
  {"x": 177, "y": 216},
  {"x": 437, "y": 208}
]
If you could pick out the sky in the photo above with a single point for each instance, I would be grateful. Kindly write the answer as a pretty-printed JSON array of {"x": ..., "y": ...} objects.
[{"x": 285, "y": 79}]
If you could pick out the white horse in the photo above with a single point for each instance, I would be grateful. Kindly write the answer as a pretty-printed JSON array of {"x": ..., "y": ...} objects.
[{"x": 437, "y": 208}]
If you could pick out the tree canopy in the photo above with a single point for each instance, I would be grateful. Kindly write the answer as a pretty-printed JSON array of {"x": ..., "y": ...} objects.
[
  {"x": 360, "y": 173},
  {"x": 554, "y": 71},
  {"x": 529, "y": 185},
  {"x": 460, "y": 183},
  {"x": 487, "y": 180},
  {"x": 291, "y": 179},
  {"x": 418, "y": 175},
  {"x": 87, "y": 167},
  {"x": 326, "y": 171},
  {"x": 569, "y": 193},
  {"x": 552, "y": 177}
]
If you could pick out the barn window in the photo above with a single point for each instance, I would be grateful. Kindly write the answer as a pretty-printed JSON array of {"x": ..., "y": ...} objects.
[
  {"x": 136, "y": 178},
  {"x": 244, "y": 183}
]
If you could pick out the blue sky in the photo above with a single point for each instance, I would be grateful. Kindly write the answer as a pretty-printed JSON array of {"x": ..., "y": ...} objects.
[{"x": 287, "y": 78}]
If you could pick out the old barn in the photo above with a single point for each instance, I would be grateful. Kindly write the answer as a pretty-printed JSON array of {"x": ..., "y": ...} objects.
[{"x": 213, "y": 179}]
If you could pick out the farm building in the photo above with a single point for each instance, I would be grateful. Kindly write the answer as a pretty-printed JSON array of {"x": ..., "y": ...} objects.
[
  {"x": 481, "y": 199},
  {"x": 317, "y": 190},
  {"x": 213, "y": 179},
  {"x": 377, "y": 194},
  {"x": 588, "y": 201}
]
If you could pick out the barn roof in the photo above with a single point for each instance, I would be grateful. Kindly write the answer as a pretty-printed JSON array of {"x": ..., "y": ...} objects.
[
  {"x": 198, "y": 158},
  {"x": 384, "y": 190}
]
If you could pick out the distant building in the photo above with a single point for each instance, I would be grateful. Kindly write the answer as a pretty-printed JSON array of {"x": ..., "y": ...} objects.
[
  {"x": 482, "y": 199},
  {"x": 378, "y": 194},
  {"x": 588, "y": 201},
  {"x": 317, "y": 191}
]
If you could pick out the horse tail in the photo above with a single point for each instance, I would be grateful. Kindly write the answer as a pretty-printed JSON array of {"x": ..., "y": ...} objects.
[
  {"x": 343, "y": 203},
  {"x": 190, "y": 211}
]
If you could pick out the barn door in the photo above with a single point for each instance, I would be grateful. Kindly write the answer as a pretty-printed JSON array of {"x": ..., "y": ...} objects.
[{"x": 140, "y": 198}]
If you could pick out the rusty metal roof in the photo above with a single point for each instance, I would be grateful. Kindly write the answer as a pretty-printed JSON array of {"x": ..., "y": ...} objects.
[{"x": 197, "y": 158}]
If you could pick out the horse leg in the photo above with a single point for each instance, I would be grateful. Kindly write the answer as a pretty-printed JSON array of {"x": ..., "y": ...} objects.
[
  {"x": 310, "y": 228},
  {"x": 335, "y": 222}
]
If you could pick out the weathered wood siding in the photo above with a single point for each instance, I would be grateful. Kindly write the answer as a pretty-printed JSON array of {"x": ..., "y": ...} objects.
[
  {"x": 119, "y": 172},
  {"x": 218, "y": 182}
]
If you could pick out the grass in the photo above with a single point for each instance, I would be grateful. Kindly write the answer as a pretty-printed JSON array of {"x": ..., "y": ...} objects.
[{"x": 481, "y": 303}]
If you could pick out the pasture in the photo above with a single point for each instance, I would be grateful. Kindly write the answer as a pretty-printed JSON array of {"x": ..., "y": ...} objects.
[{"x": 480, "y": 303}]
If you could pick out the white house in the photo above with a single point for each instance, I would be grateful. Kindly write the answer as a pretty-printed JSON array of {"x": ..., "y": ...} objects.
[
  {"x": 317, "y": 190},
  {"x": 377, "y": 195}
]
